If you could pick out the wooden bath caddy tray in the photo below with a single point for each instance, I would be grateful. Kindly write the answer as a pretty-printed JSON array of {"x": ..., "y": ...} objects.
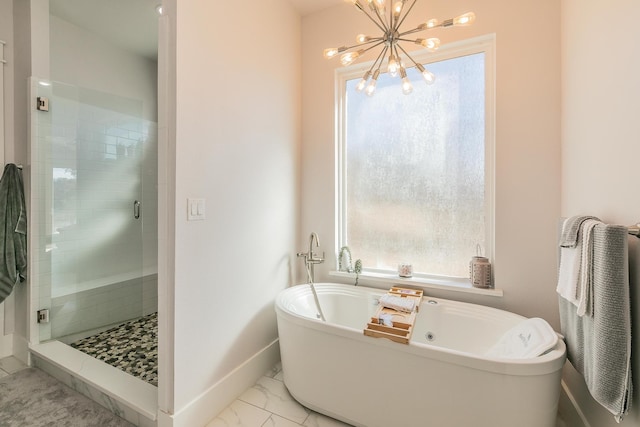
[{"x": 402, "y": 321}]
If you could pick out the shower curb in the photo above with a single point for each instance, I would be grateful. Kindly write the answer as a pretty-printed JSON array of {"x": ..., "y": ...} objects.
[{"x": 126, "y": 396}]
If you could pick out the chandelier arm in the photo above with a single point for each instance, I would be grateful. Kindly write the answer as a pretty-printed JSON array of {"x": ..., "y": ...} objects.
[
  {"x": 392, "y": 22},
  {"x": 379, "y": 41},
  {"x": 395, "y": 48},
  {"x": 371, "y": 47},
  {"x": 380, "y": 55},
  {"x": 368, "y": 15},
  {"x": 415, "y": 30},
  {"x": 400, "y": 21},
  {"x": 381, "y": 58},
  {"x": 407, "y": 54},
  {"x": 384, "y": 26},
  {"x": 372, "y": 40},
  {"x": 408, "y": 40}
]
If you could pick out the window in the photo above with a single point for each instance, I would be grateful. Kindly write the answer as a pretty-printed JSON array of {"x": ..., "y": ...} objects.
[{"x": 416, "y": 171}]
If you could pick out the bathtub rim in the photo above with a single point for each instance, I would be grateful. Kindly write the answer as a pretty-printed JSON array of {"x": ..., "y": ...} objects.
[{"x": 548, "y": 363}]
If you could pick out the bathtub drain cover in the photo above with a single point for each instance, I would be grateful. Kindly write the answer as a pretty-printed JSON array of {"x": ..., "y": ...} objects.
[{"x": 430, "y": 336}]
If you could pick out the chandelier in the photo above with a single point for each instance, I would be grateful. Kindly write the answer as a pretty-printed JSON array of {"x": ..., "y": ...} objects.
[{"x": 390, "y": 40}]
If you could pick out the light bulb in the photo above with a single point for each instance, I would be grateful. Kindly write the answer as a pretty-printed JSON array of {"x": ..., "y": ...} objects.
[
  {"x": 392, "y": 67},
  {"x": 406, "y": 84},
  {"x": 431, "y": 23},
  {"x": 362, "y": 38},
  {"x": 432, "y": 44},
  {"x": 371, "y": 88},
  {"x": 356, "y": 3},
  {"x": 348, "y": 58},
  {"x": 330, "y": 52},
  {"x": 465, "y": 19},
  {"x": 427, "y": 75},
  {"x": 361, "y": 85},
  {"x": 397, "y": 8},
  {"x": 377, "y": 6}
]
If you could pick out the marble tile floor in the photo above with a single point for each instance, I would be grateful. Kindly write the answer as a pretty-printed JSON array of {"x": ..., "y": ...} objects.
[
  {"x": 10, "y": 365},
  {"x": 269, "y": 404},
  {"x": 266, "y": 404},
  {"x": 29, "y": 397}
]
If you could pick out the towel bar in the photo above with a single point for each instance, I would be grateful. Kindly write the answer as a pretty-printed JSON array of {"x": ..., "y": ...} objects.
[{"x": 635, "y": 230}]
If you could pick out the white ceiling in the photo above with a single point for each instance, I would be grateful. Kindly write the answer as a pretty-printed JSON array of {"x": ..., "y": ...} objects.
[{"x": 133, "y": 24}]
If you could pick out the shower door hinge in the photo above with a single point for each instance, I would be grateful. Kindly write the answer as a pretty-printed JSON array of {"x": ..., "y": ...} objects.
[
  {"x": 42, "y": 103},
  {"x": 43, "y": 315}
]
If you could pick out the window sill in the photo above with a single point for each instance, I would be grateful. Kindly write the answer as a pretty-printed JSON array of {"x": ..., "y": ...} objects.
[{"x": 464, "y": 286}]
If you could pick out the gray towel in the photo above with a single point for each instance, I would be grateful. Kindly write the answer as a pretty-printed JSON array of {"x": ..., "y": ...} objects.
[
  {"x": 13, "y": 232},
  {"x": 571, "y": 229},
  {"x": 599, "y": 346}
]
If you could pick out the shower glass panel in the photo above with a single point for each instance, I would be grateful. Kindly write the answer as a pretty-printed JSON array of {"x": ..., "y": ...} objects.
[{"x": 88, "y": 158}]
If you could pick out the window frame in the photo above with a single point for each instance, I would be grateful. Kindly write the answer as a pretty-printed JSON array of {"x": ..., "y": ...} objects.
[{"x": 483, "y": 44}]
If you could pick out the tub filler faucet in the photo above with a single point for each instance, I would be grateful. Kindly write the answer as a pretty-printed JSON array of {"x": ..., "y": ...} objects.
[{"x": 311, "y": 258}]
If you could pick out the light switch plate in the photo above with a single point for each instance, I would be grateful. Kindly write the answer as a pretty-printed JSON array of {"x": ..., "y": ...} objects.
[{"x": 196, "y": 209}]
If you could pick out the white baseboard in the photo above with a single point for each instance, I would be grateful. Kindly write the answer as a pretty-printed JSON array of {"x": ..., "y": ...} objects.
[
  {"x": 214, "y": 400},
  {"x": 570, "y": 410},
  {"x": 21, "y": 349},
  {"x": 6, "y": 345}
]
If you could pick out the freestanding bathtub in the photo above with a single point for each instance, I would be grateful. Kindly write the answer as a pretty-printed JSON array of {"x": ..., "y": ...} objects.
[{"x": 440, "y": 379}]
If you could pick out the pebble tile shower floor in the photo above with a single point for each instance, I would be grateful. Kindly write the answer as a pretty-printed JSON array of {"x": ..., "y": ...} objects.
[{"x": 131, "y": 347}]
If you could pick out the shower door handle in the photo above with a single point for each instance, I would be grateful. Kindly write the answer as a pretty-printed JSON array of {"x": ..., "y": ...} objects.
[{"x": 136, "y": 209}]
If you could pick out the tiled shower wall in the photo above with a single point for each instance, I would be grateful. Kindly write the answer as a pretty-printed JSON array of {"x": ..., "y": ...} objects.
[
  {"x": 94, "y": 308},
  {"x": 93, "y": 155}
]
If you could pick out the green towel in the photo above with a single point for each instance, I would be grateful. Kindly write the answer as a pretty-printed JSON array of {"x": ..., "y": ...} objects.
[{"x": 13, "y": 235}]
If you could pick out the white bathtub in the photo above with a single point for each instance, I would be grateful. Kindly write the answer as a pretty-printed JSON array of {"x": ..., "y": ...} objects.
[{"x": 333, "y": 368}]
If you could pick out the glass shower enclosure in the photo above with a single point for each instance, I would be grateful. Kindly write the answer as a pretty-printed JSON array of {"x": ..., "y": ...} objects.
[{"x": 94, "y": 173}]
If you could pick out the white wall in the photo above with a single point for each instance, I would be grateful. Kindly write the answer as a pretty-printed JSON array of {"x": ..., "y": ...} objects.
[
  {"x": 527, "y": 138},
  {"x": 31, "y": 56},
  {"x": 6, "y": 34},
  {"x": 600, "y": 87},
  {"x": 236, "y": 111}
]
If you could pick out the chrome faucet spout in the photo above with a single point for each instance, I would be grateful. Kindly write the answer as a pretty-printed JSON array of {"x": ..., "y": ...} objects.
[
  {"x": 311, "y": 238},
  {"x": 312, "y": 257}
]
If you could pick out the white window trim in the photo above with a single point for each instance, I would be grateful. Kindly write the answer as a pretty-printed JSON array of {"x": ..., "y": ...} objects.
[{"x": 482, "y": 44}]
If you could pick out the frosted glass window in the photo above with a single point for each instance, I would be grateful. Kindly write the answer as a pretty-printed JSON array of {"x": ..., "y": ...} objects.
[{"x": 413, "y": 183}]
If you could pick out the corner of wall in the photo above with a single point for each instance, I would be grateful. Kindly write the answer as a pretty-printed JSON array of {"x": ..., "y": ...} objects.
[
  {"x": 21, "y": 348},
  {"x": 213, "y": 401},
  {"x": 569, "y": 410},
  {"x": 6, "y": 345}
]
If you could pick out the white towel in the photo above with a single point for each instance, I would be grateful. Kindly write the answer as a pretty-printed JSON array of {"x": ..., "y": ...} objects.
[
  {"x": 570, "y": 259},
  {"x": 569, "y": 273},
  {"x": 530, "y": 338},
  {"x": 585, "y": 283},
  {"x": 398, "y": 303},
  {"x": 576, "y": 264}
]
